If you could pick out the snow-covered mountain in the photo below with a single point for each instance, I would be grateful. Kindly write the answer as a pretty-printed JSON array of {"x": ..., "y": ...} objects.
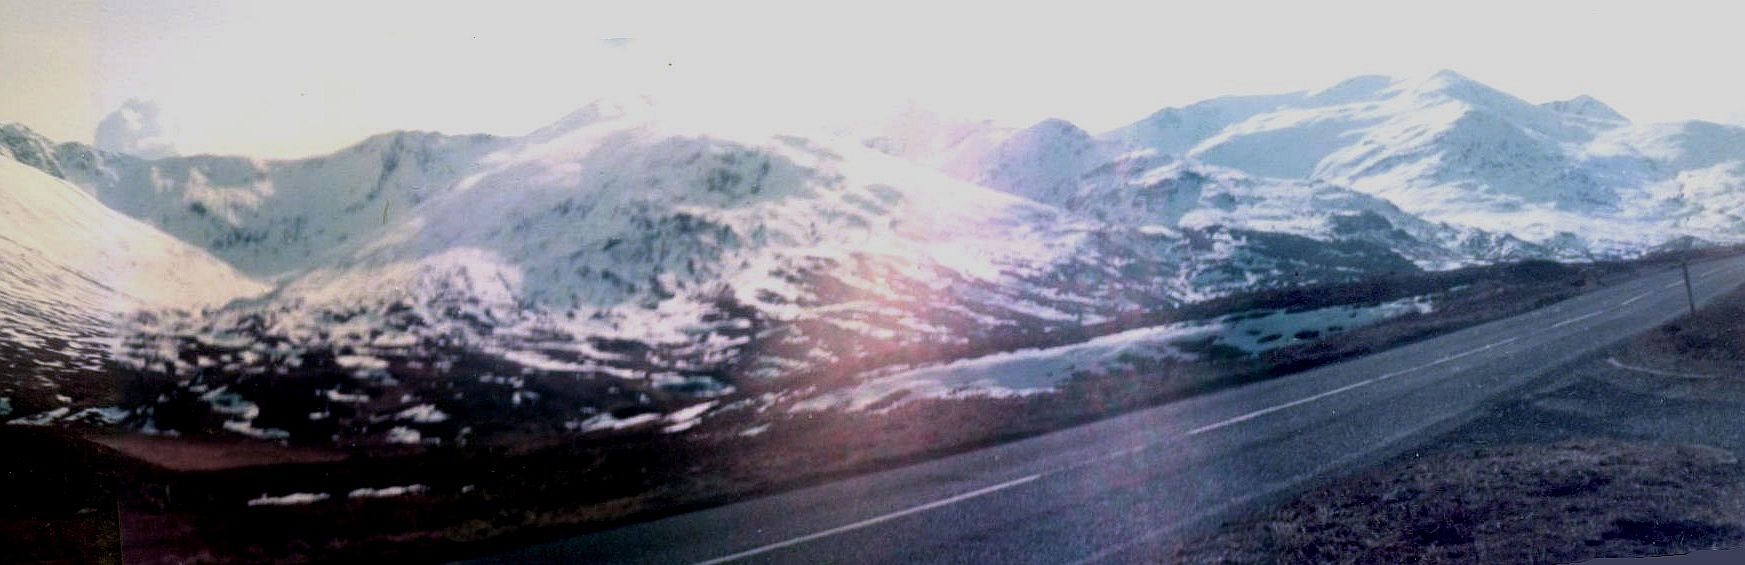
[
  {"x": 1143, "y": 190},
  {"x": 71, "y": 271},
  {"x": 631, "y": 228},
  {"x": 622, "y": 264},
  {"x": 658, "y": 261},
  {"x": 1587, "y": 108},
  {"x": 268, "y": 218},
  {"x": 1570, "y": 178},
  {"x": 1129, "y": 178},
  {"x": 97, "y": 257},
  {"x": 949, "y": 143},
  {"x": 1572, "y": 173}
]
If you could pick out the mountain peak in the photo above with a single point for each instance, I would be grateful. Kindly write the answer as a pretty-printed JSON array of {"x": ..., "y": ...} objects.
[
  {"x": 1059, "y": 126},
  {"x": 1353, "y": 89},
  {"x": 1587, "y": 107},
  {"x": 27, "y": 146},
  {"x": 411, "y": 137},
  {"x": 1450, "y": 75},
  {"x": 599, "y": 110},
  {"x": 1452, "y": 83},
  {"x": 16, "y": 128}
]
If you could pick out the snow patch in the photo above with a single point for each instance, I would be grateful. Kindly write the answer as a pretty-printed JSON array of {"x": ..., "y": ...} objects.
[
  {"x": 294, "y": 499},
  {"x": 387, "y": 492},
  {"x": 1036, "y": 371},
  {"x": 606, "y": 421},
  {"x": 423, "y": 414},
  {"x": 405, "y": 435}
]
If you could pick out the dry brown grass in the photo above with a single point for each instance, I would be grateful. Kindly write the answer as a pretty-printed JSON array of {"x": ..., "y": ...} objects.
[
  {"x": 1522, "y": 503},
  {"x": 1691, "y": 358},
  {"x": 201, "y": 454},
  {"x": 1713, "y": 340}
]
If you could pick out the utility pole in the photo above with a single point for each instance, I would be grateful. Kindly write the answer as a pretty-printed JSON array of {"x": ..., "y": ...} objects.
[{"x": 1689, "y": 295}]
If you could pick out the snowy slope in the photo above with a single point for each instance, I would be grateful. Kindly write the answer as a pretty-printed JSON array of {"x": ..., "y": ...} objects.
[
  {"x": 103, "y": 259},
  {"x": 1572, "y": 174},
  {"x": 1140, "y": 189},
  {"x": 1107, "y": 180},
  {"x": 1032, "y": 162},
  {"x": 623, "y": 262},
  {"x": 629, "y": 265},
  {"x": 955, "y": 145},
  {"x": 1173, "y": 131},
  {"x": 632, "y": 225},
  {"x": 1429, "y": 145},
  {"x": 71, "y": 273},
  {"x": 268, "y": 218},
  {"x": 658, "y": 262},
  {"x": 1587, "y": 108},
  {"x": 1039, "y": 162}
]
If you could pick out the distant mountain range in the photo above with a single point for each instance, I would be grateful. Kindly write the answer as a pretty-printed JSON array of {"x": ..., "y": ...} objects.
[
  {"x": 1574, "y": 175},
  {"x": 671, "y": 263}
]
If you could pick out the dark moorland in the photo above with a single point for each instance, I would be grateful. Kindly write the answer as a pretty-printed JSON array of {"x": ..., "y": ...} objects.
[{"x": 72, "y": 496}]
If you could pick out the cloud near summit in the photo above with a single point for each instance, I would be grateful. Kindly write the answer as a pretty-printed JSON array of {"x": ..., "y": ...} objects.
[{"x": 139, "y": 128}]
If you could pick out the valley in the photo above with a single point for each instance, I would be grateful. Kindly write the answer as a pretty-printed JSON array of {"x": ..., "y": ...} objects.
[{"x": 682, "y": 312}]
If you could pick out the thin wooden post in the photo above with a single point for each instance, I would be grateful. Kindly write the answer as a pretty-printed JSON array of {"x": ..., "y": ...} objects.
[{"x": 1689, "y": 295}]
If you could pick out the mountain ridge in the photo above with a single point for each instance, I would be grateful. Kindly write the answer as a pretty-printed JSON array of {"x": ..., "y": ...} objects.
[
  {"x": 1444, "y": 147},
  {"x": 628, "y": 260}
]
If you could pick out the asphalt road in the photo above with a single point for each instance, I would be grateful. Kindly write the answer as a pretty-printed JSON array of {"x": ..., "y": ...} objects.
[{"x": 1121, "y": 490}]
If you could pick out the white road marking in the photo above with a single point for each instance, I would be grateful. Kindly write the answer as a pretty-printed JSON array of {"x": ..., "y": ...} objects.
[
  {"x": 874, "y": 520},
  {"x": 1130, "y": 450},
  {"x": 1127, "y": 451},
  {"x": 1098, "y": 460},
  {"x": 1135, "y": 449},
  {"x": 1107, "y": 552},
  {"x": 1577, "y": 319},
  {"x": 1113, "y": 550},
  {"x": 1620, "y": 364},
  {"x": 1314, "y": 397}
]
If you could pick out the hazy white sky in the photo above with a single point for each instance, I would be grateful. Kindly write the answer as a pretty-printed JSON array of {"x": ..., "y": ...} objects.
[{"x": 288, "y": 79}]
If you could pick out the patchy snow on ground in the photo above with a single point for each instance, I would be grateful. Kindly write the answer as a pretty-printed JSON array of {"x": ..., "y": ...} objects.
[
  {"x": 405, "y": 435},
  {"x": 607, "y": 421},
  {"x": 1036, "y": 371},
  {"x": 683, "y": 257},
  {"x": 293, "y": 499},
  {"x": 1259, "y": 331},
  {"x": 1011, "y": 373},
  {"x": 534, "y": 360},
  {"x": 388, "y": 492},
  {"x": 246, "y": 427},
  {"x": 110, "y": 415},
  {"x": 687, "y": 417},
  {"x": 361, "y": 362},
  {"x": 43, "y": 418},
  {"x": 335, "y": 395},
  {"x": 423, "y": 414}
]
